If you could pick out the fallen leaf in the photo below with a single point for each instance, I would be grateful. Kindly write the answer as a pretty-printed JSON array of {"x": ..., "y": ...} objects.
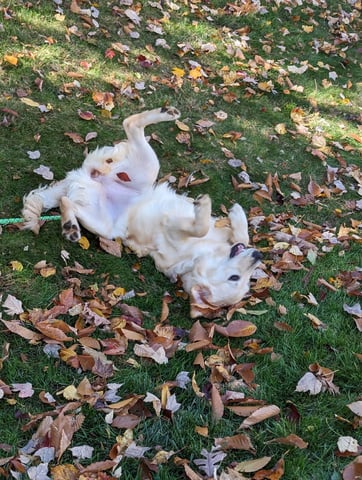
[
  {"x": 356, "y": 407},
  {"x": 25, "y": 389},
  {"x": 347, "y": 444},
  {"x": 12, "y": 306},
  {"x": 236, "y": 328},
  {"x": 236, "y": 442},
  {"x": 250, "y": 466},
  {"x": 353, "y": 471},
  {"x": 113, "y": 247},
  {"x": 292, "y": 440},
  {"x": 309, "y": 383},
  {"x": 86, "y": 115},
  {"x": 84, "y": 242},
  {"x": 260, "y": 415}
]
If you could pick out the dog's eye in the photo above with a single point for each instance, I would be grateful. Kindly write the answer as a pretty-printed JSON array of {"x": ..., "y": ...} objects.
[{"x": 234, "y": 278}]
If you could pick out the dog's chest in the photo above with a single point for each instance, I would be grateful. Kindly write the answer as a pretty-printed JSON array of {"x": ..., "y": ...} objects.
[{"x": 118, "y": 196}]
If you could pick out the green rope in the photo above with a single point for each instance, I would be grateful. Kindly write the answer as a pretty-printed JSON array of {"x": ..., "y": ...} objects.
[{"x": 8, "y": 221}]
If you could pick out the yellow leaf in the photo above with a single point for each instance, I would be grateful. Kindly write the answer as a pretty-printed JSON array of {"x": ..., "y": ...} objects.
[
  {"x": 182, "y": 126},
  {"x": 17, "y": 266},
  {"x": 70, "y": 393},
  {"x": 280, "y": 128},
  {"x": 195, "y": 73},
  {"x": 266, "y": 86},
  {"x": 106, "y": 113},
  {"x": 119, "y": 292},
  {"x": 307, "y": 28},
  {"x": 178, "y": 72},
  {"x": 84, "y": 243},
  {"x": 11, "y": 59},
  {"x": 47, "y": 271},
  {"x": 29, "y": 102},
  {"x": 203, "y": 431}
]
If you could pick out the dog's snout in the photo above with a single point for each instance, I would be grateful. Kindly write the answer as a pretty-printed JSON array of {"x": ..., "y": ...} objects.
[
  {"x": 236, "y": 249},
  {"x": 257, "y": 255}
]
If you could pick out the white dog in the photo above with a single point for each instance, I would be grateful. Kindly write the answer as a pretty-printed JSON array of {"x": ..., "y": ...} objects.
[{"x": 113, "y": 194}]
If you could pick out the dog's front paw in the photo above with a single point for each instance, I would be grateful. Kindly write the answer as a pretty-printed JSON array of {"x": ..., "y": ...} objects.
[
  {"x": 171, "y": 112},
  {"x": 202, "y": 202},
  {"x": 236, "y": 211},
  {"x": 71, "y": 231}
]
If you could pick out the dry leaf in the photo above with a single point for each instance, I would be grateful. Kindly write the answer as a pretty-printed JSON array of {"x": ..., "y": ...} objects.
[
  {"x": 291, "y": 439},
  {"x": 12, "y": 306},
  {"x": 236, "y": 442},
  {"x": 353, "y": 471},
  {"x": 236, "y": 328},
  {"x": 260, "y": 415},
  {"x": 347, "y": 444},
  {"x": 217, "y": 406},
  {"x": 113, "y": 247},
  {"x": 309, "y": 383},
  {"x": 250, "y": 466}
]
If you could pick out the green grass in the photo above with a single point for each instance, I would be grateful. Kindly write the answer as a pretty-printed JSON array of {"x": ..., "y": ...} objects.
[{"x": 46, "y": 49}]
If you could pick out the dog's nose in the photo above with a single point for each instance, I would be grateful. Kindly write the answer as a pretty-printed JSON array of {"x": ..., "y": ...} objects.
[{"x": 257, "y": 255}]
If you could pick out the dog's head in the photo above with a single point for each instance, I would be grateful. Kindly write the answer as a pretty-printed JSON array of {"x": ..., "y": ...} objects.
[{"x": 220, "y": 280}]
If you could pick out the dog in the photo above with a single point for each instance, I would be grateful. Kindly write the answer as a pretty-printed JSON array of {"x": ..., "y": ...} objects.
[{"x": 114, "y": 194}]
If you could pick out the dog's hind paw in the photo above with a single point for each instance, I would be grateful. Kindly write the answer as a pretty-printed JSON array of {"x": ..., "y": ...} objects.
[
  {"x": 171, "y": 112},
  {"x": 202, "y": 202},
  {"x": 71, "y": 231}
]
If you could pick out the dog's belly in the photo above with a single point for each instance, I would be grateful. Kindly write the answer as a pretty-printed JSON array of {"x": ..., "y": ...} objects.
[{"x": 118, "y": 197}]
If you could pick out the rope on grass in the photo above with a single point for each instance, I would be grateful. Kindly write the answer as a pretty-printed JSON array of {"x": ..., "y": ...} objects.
[{"x": 9, "y": 221}]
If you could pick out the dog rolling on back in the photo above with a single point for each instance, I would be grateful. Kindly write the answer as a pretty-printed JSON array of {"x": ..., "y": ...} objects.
[{"x": 113, "y": 194}]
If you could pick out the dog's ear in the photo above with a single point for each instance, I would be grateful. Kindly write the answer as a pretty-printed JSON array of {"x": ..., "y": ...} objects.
[{"x": 199, "y": 304}]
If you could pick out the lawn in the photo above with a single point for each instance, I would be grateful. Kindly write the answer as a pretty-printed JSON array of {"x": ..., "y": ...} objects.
[{"x": 103, "y": 374}]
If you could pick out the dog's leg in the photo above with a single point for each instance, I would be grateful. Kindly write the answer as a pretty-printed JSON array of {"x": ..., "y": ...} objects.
[
  {"x": 40, "y": 200},
  {"x": 69, "y": 222},
  {"x": 135, "y": 124},
  {"x": 239, "y": 225},
  {"x": 196, "y": 226},
  {"x": 143, "y": 166}
]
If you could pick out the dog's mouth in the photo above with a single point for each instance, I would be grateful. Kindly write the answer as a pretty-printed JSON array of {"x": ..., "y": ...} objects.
[{"x": 236, "y": 249}]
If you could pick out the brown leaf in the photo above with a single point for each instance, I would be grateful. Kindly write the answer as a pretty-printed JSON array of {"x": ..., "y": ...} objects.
[
  {"x": 260, "y": 415},
  {"x": 353, "y": 471},
  {"x": 15, "y": 327},
  {"x": 86, "y": 115},
  {"x": 64, "y": 472},
  {"x": 249, "y": 466},
  {"x": 236, "y": 442},
  {"x": 98, "y": 467},
  {"x": 244, "y": 410},
  {"x": 236, "y": 328},
  {"x": 190, "y": 474},
  {"x": 291, "y": 439},
  {"x": 314, "y": 189},
  {"x": 274, "y": 473},
  {"x": 282, "y": 326},
  {"x": 128, "y": 420},
  {"x": 217, "y": 406},
  {"x": 113, "y": 247},
  {"x": 198, "y": 332},
  {"x": 49, "y": 330},
  {"x": 76, "y": 137}
]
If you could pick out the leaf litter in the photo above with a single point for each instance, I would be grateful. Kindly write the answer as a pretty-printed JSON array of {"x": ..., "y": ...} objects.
[{"x": 94, "y": 337}]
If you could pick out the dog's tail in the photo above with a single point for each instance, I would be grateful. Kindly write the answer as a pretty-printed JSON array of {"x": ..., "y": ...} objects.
[{"x": 40, "y": 200}]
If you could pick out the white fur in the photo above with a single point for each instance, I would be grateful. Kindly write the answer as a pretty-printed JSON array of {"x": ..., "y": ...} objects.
[{"x": 113, "y": 195}]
